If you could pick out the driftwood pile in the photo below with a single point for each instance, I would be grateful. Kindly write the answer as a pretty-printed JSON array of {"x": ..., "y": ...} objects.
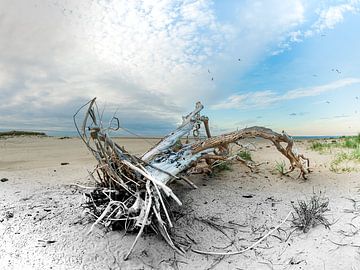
[{"x": 132, "y": 193}]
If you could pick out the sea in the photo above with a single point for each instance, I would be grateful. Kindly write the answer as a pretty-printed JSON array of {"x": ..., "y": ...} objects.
[{"x": 73, "y": 133}]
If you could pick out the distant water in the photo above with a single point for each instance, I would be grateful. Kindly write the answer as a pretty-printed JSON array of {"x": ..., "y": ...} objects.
[
  {"x": 74, "y": 133},
  {"x": 314, "y": 137}
]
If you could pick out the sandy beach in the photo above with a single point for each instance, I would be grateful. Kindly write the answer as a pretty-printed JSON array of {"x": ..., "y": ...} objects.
[{"x": 43, "y": 225}]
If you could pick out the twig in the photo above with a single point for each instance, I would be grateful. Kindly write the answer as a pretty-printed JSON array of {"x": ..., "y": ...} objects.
[
  {"x": 246, "y": 249},
  {"x": 215, "y": 262},
  {"x": 344, "y": 244}
]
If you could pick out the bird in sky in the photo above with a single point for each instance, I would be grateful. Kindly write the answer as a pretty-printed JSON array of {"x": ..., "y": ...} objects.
[
  {"x": 239, "y": 59},
  {"x": 328, "y": 102},
  {"x": 209, "y": 71}
]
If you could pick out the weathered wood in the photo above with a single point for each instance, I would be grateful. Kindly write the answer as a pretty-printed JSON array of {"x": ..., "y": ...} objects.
[{"x": 130, "y": 189}]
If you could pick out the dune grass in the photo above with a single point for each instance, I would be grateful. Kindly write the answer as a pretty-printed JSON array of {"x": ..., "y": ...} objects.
[
  {"x": 349, "y": 154},
  {"x": 344, "y": 161},
  {"x": 245, "y": 154},
  {"x": 13, "y": 133},
  {"x": 280, "y": 167},
  {"x": 351, "y": 142}
]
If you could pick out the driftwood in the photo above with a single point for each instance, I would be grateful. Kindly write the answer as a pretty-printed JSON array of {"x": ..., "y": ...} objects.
[{"x": 131, "y": 192}]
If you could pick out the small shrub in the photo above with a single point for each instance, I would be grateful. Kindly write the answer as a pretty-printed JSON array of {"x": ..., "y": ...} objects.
[
  {"x": 280, "y": 167},
  {"x": 311, "y": 213},
  {"x": 245, "y": 155},
  {"x": 219, "y": 167},
  {"x": 223, "y": 166}
]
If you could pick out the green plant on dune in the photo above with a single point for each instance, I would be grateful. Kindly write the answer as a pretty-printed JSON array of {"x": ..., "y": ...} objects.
[
  {"x": 319, "y": 146},
  {"x": 280, "y": 167},
  {"x": 345, "y": 160},
  {"x": 341, "y": 159},
  {"x": 245, "y": 154},
  {"x": 219, "y": 167}
]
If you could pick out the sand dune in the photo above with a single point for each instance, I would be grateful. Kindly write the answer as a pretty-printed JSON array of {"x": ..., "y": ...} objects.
[{"x": 48, "y": 229}]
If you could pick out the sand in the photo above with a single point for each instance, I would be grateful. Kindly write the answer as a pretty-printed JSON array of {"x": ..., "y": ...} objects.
[{"x": 48, "y": 229}]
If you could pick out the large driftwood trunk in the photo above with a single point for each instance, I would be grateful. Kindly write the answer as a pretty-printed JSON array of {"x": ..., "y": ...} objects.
[{"x": 131, "y": 191}]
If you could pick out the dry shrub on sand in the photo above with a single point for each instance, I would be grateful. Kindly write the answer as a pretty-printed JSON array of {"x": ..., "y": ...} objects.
[{"x": 311, "y": 213}]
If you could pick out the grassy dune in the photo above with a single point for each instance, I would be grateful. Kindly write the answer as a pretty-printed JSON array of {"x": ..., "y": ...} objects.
[
  {"x": 347, "y": 152},
  {"x": 13, "y": 133}
]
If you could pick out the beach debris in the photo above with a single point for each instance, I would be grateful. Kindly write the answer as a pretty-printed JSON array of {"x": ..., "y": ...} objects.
[
  {"x": 64, "y": 163},
  {"x": 47, "y": 241},
  {"x": 4, "y": 180},
  {"x": 132, "y": 192},
  {"x": 310, "y": 214},
  {"x": 9, "y": 214},
  {"x": 64, "y": 138}
]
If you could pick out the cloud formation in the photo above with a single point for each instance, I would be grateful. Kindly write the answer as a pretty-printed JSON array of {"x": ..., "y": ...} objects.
[
  {"x": 260, "y": 99},
  {"x": 147, "y": 58},
  {"x": 327, "y": 18}
]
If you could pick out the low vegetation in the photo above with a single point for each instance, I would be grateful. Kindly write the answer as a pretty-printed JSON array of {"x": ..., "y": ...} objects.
[
  {"x": 346, "y": 161},
  {"x": 20, "y": 133},
  {"x": 347, "y": 152},
  {"x": 280, "y": 167},
  {"x": 245, "y": 155},
  {"x": 222, "y": 166},
  {"x": 311, "y": 213}
]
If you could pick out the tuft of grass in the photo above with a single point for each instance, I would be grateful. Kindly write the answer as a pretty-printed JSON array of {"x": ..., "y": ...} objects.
[
  {"x": 312, "y": 213},
  {"x": 245, "y": 154},
  {"x": 21, "y": 133},
  {"x": 223, "y": 166},
  {"x": 219, "y": 167},
  {"x": 280, "y": 167}
]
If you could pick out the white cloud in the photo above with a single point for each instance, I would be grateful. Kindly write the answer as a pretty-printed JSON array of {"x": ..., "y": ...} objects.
[
  {"x": 149, "y": 57},
  {"x": 327, "y": 17},
  {"x": 140, "y": 55},
  {"x": 260, "y": 99},
  {"x": 333, "y": 15}
]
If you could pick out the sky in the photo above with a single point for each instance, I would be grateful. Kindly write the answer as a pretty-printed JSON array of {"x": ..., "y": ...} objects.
[{"x": 287, "y": 65}]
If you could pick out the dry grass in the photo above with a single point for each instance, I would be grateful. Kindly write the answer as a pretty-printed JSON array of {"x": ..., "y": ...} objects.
[{"x": 310, "y": 214}]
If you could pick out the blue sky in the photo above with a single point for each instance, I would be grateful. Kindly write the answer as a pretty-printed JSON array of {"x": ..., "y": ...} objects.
[{"x": 152, "y": 60}]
